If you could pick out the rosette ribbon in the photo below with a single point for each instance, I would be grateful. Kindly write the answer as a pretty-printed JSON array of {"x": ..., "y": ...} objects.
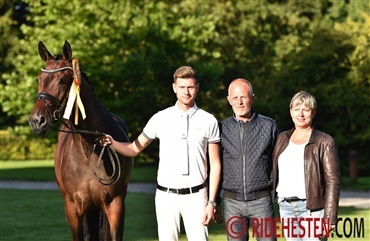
[{"x": 74, "y": 98}]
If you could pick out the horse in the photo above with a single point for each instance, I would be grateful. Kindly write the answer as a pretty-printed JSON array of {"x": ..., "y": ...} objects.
[{"x": 92, "y": 179}]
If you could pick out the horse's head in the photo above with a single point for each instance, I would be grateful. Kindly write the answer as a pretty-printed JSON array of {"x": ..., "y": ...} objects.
[{"x": 54, "y": 82}]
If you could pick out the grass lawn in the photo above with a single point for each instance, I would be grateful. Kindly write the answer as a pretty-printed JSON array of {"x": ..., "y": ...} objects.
[
  {"x": 44, "y": 171},
  {"x": 362, "y": 183},
  {"x": 39, "y": 215}
]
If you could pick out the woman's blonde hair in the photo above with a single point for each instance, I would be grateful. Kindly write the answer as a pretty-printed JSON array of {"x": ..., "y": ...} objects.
[{"x": 303, "y": 97}]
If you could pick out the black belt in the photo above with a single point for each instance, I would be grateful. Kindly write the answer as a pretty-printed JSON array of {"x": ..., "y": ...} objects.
[
  {"x": 181, "y": 191},
  {"x": 292, "y": 199},
  {"x": 257, "y": 195}
]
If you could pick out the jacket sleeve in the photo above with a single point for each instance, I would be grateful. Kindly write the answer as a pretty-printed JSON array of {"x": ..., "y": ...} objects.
[{"x": 330, "y": 164}]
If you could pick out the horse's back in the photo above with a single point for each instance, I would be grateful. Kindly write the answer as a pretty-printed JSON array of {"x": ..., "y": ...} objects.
[{"x": 122, "y": 125}]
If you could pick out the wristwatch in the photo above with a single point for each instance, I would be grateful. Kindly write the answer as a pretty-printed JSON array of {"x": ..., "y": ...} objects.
[{"x": 213, "y": 203}]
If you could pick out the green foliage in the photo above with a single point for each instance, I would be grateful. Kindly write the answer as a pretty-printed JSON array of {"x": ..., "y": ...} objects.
[
  {"x": 130, "y": 49},
  {"x": 361, "y": 183},
  {"x": 18, "y": 145}
]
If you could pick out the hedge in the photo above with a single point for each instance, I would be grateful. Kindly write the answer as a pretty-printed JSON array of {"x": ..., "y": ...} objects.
[{"x": 20, "y": 146}]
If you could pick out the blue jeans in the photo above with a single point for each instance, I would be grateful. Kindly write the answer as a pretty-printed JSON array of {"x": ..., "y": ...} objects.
[
  {"x": 239, "y": 216},
  {"x": 299, "y": 223}
]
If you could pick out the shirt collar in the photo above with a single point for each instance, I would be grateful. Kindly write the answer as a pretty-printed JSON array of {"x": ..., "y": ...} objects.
[
  {"x": 237, "y": 120},
  {"x": 189, "y": 112}
]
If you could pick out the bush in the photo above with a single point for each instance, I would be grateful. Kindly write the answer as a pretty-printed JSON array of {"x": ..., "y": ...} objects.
[{"x": 19, "y": 144}]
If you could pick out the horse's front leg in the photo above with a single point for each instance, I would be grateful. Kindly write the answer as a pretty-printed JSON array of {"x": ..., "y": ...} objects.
[
  {"x": 116, "y": 216},
  {"x": 75, "y": 221}
]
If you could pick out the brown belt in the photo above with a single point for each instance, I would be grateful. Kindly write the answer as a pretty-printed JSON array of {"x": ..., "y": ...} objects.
[
  {"x": 181, "y": 191},
  {"x": 257, "y": 195}
]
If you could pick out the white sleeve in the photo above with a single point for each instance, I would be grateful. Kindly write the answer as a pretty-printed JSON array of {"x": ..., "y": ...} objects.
[
  {"x": 150, "y": 130},
  {"x": 214, "y": 131}
]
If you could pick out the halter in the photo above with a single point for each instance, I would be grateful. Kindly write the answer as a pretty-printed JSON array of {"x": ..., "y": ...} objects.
[
  {"x": 55, "y": 70},
  {"x": 54, "y": 117}
]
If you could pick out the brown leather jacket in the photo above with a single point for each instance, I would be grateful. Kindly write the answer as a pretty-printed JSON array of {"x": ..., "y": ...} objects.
[{"x": 321, "y": 170}]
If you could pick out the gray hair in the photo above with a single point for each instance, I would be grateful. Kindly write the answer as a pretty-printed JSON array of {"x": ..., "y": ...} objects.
[{"x": 303, "y": 97}]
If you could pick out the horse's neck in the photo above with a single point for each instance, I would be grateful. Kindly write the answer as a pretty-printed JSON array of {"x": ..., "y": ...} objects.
[{"x": 97, "y": 117}]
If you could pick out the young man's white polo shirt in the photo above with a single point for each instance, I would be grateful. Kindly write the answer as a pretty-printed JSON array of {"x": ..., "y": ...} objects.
[{"x": 202, "y": 129}]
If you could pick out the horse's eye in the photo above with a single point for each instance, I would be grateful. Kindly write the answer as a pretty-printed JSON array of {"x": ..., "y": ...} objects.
[
  {"x": 63, "y": 81},
  {"x": 37, "y": 80}
]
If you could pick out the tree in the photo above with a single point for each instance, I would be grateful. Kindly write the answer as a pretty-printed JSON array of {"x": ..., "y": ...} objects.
[
  {"x": 130, "y": 49},
  {"x": 12, "y": 16}
]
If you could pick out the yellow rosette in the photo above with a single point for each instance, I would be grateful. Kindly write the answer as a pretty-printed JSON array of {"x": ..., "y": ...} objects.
[{"x": 74, "y": 98}]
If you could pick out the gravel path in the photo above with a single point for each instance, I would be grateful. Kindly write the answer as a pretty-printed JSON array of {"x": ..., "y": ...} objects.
[
  {"x": 347, "y": 198},
  {"x": 133, "y": 187}
]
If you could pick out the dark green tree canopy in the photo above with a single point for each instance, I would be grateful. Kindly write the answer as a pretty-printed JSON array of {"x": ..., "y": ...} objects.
[{"x": 130, "y": 49}]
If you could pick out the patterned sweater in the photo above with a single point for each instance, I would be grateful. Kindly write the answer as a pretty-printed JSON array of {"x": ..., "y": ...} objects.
[{"x": 246, "y": 153}]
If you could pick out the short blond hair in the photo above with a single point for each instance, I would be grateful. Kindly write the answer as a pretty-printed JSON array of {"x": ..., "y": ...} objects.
[
  {"x": 303, "y": 97},
  {"x": 185, "y": 72}
]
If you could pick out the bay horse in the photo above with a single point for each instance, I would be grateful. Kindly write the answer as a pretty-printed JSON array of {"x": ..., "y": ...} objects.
[{"x": 92, "y": 179}]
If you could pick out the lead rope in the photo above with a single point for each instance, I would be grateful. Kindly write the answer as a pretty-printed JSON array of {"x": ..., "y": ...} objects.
[
  {"x": 113, "y": 161},
  {"x": 111, "y": 153}
]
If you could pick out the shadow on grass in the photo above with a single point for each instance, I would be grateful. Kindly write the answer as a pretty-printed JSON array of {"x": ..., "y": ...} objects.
[
  {"x": 28, "y": 173},
  {"x": 40, "y": 216},
  {"x": 361, "y": 183},
  {"x": 140, "y": 173}
]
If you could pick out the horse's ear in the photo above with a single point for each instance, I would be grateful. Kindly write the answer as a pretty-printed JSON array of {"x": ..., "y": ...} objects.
[
  {"x": 44, "y": 53},
  {"x": 67, "y": 51}
]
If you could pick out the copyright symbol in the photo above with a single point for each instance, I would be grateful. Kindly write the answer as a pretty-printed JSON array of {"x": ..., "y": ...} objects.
[{"x": 233, "y": 225}]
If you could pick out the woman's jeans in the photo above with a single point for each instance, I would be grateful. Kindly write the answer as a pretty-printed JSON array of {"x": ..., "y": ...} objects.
[
  {"x": 299, "y": 223},
  {"x": 239, "y": 216}
]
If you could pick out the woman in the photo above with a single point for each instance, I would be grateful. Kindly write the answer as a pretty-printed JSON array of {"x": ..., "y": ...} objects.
[{"x": 306, "y": 175}]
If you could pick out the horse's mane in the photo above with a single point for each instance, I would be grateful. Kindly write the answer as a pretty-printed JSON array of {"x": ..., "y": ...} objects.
[{"x": 84, "y": 76}]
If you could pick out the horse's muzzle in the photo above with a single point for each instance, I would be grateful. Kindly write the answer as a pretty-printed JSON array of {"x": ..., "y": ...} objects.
[{"x": 39, "y": 124}]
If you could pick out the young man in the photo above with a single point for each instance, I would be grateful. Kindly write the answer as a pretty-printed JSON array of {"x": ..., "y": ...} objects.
[{"x": 185, "y": 133}]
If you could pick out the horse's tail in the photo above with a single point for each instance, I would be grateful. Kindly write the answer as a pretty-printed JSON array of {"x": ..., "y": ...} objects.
[{"x": 96, "y": 226}]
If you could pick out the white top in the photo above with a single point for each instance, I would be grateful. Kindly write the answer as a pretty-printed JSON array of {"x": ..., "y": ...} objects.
[
  {"x": 183, "y": 141},
  {"x": 291, "y": 172}
]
